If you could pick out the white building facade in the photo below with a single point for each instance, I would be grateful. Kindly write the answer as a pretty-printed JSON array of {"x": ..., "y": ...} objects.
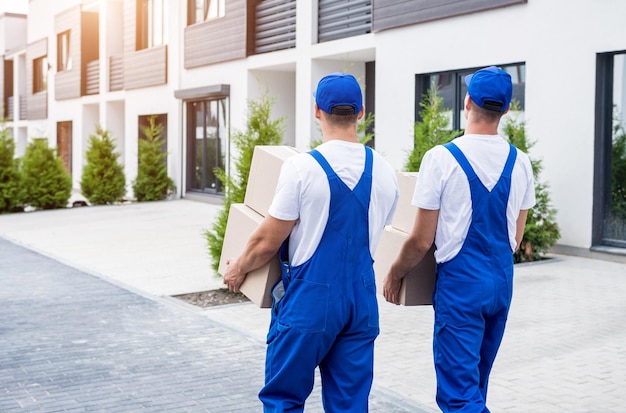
[{"x": 195, "y": 64}]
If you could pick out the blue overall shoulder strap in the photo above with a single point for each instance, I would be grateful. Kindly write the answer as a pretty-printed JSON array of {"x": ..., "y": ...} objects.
[
  {"x": 510, "y": 161},
  {"x": 369, "y": 161},
  {"x": 323, "y": 163},
  {"x": 461, "y": 159}
]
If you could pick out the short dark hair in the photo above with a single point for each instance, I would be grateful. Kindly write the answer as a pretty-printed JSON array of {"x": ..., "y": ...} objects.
[
  {"x": 342, "y": 116},
  {"x": 485, "y": 115}
]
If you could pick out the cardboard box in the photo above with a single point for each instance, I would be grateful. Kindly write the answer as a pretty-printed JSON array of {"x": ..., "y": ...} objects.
[
  {"x": 264, "y": 173},
  {"x": 242, "y": 222},
  {"x": 404, "y": 216},
  {"x": 417, "y": 286}
]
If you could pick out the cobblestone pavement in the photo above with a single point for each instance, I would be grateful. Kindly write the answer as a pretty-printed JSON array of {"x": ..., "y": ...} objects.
[
  {"x": 71, "y": 342},
  {"x": 88, "y": 325}
]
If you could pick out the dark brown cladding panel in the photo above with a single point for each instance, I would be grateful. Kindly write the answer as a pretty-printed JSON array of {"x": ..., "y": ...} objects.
[
  {"x": 217, "y": 40},
  {"x": 389, "y": 14}
]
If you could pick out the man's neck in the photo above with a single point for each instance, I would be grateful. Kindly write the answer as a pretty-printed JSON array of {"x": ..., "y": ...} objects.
[{"x": 481, "y": 128}]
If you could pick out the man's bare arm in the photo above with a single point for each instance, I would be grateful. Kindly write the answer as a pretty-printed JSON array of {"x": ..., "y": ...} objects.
[
  {"x": 413, "y": 250},
  {"x": 261, "y": 247},
  {"x": 520, "y": 226}
]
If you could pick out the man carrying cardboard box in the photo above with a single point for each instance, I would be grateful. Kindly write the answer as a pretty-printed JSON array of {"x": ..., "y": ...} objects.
[
  {"x": 332, "y": 204},
  {"x": 473, "y": 197}
]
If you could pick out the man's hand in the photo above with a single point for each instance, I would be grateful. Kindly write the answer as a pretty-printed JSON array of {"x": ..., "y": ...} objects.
[
  {"x": 233, "y": 277},
  {"x": 391, "y": 288}
]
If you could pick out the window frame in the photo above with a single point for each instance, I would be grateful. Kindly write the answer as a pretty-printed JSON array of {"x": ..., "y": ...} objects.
[
  {"x": 40, "y": 74},
  {"x": 193, "y": 9},
  {"x": 603, "y": 150},
  {"x": 149, "y": 18},
  {"x": 64, "y": 57}
]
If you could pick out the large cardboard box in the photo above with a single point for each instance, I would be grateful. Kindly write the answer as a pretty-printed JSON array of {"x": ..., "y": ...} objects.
[
  {"x": 417, "y": 286},
  {"x": 404, "y": 216},
  {"x": 264, "y": 172},
  {"x": 242, "y": 222}
]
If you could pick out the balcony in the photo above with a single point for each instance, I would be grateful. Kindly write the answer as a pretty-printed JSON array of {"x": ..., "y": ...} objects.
[
  {"x": 92, "y": 78},
  {"x": 338, "y": 19},
  {"x": 275, "y": 25},
  {"x": 116, "y": 73},
  {"x": 11, "y": 108}
]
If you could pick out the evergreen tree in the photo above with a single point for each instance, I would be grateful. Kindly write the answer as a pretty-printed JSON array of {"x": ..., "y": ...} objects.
[
  {"x": 9, "y": 175},
  {"x": 260, "y": 130},
  {"x": 430, "y": 130},
  {"x": 44, "y": 180},
  {"x": 541, "y": 231},
  {"x": 103, "y": 181},
  {"x": 152, "y": 183}
]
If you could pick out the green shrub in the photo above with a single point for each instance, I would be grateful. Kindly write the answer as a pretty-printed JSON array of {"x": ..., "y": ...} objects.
[
  {"x": 618, "y": 171},
  {"x": 542, "y": 231},
  {"x": 260, "y": 130},
  {"x": 9, "y": 174},
  {"x": 430, "y": 131},
  {"x": 44, "y": 181},
  {"x": 152, "y": 183},
  {"x": 103, "y": 181}
]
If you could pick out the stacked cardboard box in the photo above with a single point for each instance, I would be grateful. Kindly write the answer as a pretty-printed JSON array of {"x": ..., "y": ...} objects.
[
  {"x": 244, "y": 219},
  {"x": 417, "y": 286}
]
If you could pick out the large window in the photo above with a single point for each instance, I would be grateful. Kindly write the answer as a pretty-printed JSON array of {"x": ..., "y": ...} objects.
[
  {"x": 609, "y": 227},
  {"x": 151, "y": 23},
  {"x": 202, "y": 10},
  {"x": 64, "y": 60},
  {"x": 40, "y": 74},
  {"x": 207, "y": 139},
  {"x": 452, "y": 89}
]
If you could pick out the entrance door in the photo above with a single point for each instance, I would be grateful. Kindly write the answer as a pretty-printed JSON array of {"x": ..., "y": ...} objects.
[
  {"x": 207, "y": 141},
  {"x": 64, "y": 144}
]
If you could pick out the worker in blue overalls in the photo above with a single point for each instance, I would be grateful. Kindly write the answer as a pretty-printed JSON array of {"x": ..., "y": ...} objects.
[
  {"x": 329, "y": 209},
  {"x": 473, "y": 196}
]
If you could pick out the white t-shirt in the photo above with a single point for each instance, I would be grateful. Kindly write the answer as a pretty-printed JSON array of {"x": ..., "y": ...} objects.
[
  {"x": 443, "y": 185},
  {"x": 303, "y": 193}
]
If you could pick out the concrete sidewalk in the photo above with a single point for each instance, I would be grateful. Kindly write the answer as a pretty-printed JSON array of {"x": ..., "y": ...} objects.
[{"x": 564, "y": 350}]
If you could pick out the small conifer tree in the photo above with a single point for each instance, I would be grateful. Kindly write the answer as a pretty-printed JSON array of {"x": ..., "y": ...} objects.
[
  {"x": 9, "y": 174},
  {"x": 260, "y": 130},
  {"x": 542, "y": 230},
  {"x": 103, "y": 180},
  {"x": 430, "y": 130},
  {"x": 152, "y": 183},
  {"x": 44, "y": 181}
]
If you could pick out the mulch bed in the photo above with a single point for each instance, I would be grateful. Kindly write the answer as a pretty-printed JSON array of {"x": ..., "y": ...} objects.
[{"x": 212, "y": 298}]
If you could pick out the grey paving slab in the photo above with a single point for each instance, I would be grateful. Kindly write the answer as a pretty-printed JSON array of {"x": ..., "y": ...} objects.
[{"x": 73, "y": 342}]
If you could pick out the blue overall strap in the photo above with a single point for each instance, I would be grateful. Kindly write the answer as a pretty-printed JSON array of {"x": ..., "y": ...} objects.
[
  {"x": 469, "y": 171},
  {"x": 367, "y": 171},
  {"x": 462, "y": 160},
  {"x": 510, "y": 162}
]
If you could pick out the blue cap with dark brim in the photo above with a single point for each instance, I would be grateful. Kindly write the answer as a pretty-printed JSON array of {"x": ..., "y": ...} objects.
[
  {"x": 490, "y": 88},
  {"x": 338, "y": 89}
]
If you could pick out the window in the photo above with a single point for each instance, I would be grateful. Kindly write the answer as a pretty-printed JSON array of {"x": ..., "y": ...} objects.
[
  {"x": 203, "y": 10},
  {"x": 609, "y": 207},
  {"x": 40, "y": 74},
  {"x": 151, "y": 23},
  {"x": 207, "y": 138},
  {"x": 452, "y": 89},
  {"x": 64, "y": 60}
]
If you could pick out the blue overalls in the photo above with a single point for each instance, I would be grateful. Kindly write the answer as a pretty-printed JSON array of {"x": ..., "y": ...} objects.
[
  {"x": 473, "y": 295},
  {"x": 328, "y": 316}
]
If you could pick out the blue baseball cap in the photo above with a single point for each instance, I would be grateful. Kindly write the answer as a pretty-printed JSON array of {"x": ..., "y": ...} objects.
[
  {"x": 338, "y": 89},
  {"x": 490, "y": 88}
]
